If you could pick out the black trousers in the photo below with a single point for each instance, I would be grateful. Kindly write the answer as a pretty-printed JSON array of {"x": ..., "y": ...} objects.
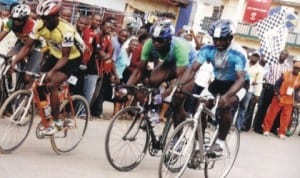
[{"x": 265, "y": 100}]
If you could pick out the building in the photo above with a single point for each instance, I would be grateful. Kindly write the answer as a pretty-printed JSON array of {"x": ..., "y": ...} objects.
[{"x": 235, "y": 10}]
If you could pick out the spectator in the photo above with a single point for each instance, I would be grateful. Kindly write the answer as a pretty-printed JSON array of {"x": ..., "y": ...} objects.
[
  {"x": 91, "y": 77},
  {"x": 274, "y": 71},
  {"x": 123, "y": 62},
  {"x": 118, "y": 41},
  {"x": 255, "y": 72},
  {"x": 32, "y": 4},
  {"x": 66, "y": 14},
  {"x": 105, "y": 69},
  {"x": 283, "y": 100}
]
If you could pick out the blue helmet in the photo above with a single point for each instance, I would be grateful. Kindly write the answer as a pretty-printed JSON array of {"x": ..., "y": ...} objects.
[
  {"x": 221, "y": 29},
  {"x": 163, "y": 29}
]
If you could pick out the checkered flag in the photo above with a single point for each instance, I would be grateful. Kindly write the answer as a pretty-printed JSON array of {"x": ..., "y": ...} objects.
[{"x": 272, "y": 34}]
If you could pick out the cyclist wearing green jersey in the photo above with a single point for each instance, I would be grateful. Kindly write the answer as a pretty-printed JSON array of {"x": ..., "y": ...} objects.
[{"x": 173, "y": 54}]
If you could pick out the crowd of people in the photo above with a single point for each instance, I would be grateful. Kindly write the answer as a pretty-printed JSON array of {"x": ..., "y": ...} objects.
[{"x": 101, "y": 54}]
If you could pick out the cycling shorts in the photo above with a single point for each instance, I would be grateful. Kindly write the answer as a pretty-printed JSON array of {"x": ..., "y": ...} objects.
[{"x": 70, "y": 68}]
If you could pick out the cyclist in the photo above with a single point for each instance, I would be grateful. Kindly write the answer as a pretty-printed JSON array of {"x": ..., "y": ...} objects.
[
  {"x": 173, "y": 56},
  {"x": 21, "y": 25},
  {"x": 229, "y": 61},
  {"x": 65, "y": 48}
]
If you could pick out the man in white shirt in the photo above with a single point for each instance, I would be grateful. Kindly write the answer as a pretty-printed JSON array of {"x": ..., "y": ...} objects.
[{"x": 256, "y": 73}]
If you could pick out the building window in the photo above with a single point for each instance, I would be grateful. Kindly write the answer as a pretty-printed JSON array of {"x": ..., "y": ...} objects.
[{"x": 217, "y": 12}]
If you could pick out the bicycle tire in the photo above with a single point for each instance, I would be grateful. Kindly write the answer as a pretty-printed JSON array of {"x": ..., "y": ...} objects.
[
  {"x": 168, "y": 165},
  {"x": 220, "y": 167},
  {"x": 16, "y": 118},
  {"x": 2, "y": 92},
  {"x": 293, "y": 123},
  {"x": 69, "y": 137},
  {"x": 134, "y": 145}
]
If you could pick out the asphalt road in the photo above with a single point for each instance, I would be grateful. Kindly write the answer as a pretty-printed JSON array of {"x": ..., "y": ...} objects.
[{"x": 259, "y": 157}]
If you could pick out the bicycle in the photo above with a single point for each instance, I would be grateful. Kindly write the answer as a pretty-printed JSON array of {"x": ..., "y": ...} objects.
[
  {"x": 17, "y": 113},
  {"x": 178, "y": 151},
  {"x": 130, "y": 132},
  {"x": 9, "y": 82},
  {"x": 292, "y": 127}
]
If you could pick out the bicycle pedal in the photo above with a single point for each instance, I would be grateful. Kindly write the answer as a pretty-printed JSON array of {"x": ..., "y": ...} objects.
[{"x": 196, "y": 165}]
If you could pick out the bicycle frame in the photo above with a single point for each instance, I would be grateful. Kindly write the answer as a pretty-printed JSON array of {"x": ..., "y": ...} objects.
[
  {"x": 63, "y": 95},
  {"x": 145, "y": 106}
]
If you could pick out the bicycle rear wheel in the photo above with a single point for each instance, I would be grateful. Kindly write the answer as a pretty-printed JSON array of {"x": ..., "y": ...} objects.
[
  {"x": 2, "y": 92},
  {"x": 220, "y": 167},
  {"x": 16, "y": 117},
  {"x": 127, "y": 139},
  {"x": 70, "y": 136},
  {"x": 177, "y": 151}
]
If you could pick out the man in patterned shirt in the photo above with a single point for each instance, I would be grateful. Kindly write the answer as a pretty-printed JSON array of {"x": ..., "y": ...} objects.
[{"x": 274, "y": 72}]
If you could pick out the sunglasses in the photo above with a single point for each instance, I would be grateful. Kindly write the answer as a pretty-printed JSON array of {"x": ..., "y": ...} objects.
[
  {"x": 18, "y": 19},
  {"x": 158, "y": 40}
]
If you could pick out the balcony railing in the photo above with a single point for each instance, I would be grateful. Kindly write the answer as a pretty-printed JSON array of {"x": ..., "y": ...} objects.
[{"x": 249, "y": 31}]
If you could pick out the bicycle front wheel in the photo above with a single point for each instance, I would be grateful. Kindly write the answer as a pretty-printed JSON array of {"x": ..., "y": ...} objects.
[
  {"x": 16, "y": 117},
  {"x": 127, "y": 139},
  {"x": 70, "y": 136},
  {"x": 177, "y": 151},
  {"x": 293, "y": 123},
  {"x": 220, "y": 167}
]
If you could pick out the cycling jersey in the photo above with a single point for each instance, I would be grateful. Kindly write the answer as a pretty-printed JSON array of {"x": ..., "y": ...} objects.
[
  {"x": 226, "y": 63},
  {"x": 64, "y": 35},
  {"x": 179, "y": 51},
  {"x": 21, "y": 33}
]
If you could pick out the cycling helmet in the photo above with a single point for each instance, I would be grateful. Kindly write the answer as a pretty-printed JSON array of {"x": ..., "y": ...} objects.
[
  {"x": 221, "y": 29},
  {"x": 163, "y": 29},
  {"x": 20, "y": 11},
  {"x": 48, "y": 7}
]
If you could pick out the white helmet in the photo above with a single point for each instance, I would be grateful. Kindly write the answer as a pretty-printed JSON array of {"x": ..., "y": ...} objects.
[
  {"x": 48, "y": 7},
  {"x": 20, "y": 11}
]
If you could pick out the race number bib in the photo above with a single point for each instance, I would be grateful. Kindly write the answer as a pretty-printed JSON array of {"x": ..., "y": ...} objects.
[
  {"x": 72, "y": 80},
  {"x": 290, "y": 91}
]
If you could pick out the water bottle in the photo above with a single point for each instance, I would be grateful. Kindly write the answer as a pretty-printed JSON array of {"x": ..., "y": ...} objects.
[
  {"x": 46, "y": 108},
  {"x": 157, "y": 99},
  {"x": 154, "y": 119}
]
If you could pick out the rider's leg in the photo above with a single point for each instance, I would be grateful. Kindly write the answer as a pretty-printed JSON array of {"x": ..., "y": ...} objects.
[{"x": 56, "y": 81}]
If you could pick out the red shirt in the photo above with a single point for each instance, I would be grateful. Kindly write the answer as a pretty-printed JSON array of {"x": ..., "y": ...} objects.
[
  {"x": 104, "y": 66},
  {"x": 88, "y": 36},
  {"x": 136, "y": 57}
]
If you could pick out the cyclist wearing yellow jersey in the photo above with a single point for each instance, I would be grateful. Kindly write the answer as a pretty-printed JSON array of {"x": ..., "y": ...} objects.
[{"x": 65, "y": 48}]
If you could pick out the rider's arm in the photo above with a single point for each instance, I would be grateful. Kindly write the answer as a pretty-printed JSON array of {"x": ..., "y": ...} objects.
[
  {"x": 63, "y": 61},
  {"x": 137, "y": 73},
  {"x": 3, "y": 34},
  {"x": 23, "y": 52},
  {"x": 238, "y": 84}
]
